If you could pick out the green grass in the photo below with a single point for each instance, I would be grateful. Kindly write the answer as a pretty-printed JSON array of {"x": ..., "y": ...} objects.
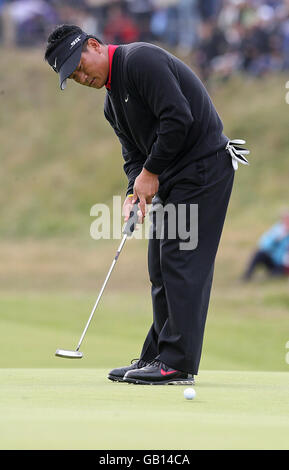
[
  {"x": 80, "y": 409},
  {"x": 52, "y": 403},
  {"x": 59, "y": 156},
  {"x": 238, "y": 336}
]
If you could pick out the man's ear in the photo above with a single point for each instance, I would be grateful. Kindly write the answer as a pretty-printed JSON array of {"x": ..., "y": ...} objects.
[{"x": 94, "y": 44}]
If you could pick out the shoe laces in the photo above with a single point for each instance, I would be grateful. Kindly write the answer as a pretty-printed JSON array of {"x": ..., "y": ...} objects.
[
  {"x": 141, "y": 363},
  {"x": 155, "y": 363},
  {"x": 159, "y": 364}
]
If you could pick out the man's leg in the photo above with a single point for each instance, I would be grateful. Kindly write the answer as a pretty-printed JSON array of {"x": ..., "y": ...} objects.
[
  {"x": 158, "y": 293},
  {"x": 160, "y": 309},
  {"x": 187, "y": 274}
]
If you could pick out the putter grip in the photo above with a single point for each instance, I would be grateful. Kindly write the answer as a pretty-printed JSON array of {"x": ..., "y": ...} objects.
[{"x": 132, "y": 221}]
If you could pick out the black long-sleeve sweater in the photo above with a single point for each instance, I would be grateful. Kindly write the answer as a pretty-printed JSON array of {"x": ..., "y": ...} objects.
[{"x": 160, "y": 111}]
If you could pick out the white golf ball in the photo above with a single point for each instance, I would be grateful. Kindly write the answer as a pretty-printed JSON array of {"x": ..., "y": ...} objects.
[{"x": 189, "y": 393}]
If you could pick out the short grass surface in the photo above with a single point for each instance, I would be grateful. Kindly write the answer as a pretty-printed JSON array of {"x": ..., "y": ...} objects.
[
  {"x": 81, "y": 409},
  {"x": 52, "y": 403},
  {"x": 246, "y": 330}
]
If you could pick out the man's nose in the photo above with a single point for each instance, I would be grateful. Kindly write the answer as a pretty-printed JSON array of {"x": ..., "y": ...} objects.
[{"x": 82, "y": 78}]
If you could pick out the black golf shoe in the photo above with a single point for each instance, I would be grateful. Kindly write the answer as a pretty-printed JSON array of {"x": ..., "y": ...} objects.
[
  {"x": 158, "y": 373},
  {"x": 117, "y": 375}
]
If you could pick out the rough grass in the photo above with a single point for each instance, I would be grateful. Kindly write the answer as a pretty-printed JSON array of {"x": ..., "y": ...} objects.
[{"x": 59, "y": 156}]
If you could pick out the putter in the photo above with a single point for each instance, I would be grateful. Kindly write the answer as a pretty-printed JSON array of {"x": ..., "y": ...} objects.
[{"x": 128, "y": 231}]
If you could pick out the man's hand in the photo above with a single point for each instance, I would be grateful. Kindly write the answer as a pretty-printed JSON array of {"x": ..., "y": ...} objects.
[
  {"x": 128, "y": 207},
  {"x": 145, "y": 187}
]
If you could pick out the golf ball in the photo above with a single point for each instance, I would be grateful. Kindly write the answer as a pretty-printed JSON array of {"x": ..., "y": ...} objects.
[{"x": 189, "y": 393}]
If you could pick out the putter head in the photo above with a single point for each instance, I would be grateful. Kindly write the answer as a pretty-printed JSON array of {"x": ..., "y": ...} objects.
[{"x": 68, "y": 354}]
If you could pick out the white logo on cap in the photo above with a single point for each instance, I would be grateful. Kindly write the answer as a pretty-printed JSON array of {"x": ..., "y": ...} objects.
[
  {"x": 75, "y": 41},
  {"x": 54, "y": 65}
]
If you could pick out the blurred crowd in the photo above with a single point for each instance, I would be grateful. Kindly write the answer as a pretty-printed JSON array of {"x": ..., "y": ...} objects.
[{"x": 219, "y": 36}]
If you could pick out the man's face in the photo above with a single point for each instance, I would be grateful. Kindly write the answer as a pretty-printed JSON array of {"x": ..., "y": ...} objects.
[{"x": 93, "y": 68}]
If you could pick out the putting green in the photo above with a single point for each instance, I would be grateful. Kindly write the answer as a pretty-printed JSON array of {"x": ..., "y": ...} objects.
[{"x": 81, "y": 409}]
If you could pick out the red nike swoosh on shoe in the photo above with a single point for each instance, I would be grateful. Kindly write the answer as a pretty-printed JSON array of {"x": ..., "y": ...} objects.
[{"x": 163, "y": 372}]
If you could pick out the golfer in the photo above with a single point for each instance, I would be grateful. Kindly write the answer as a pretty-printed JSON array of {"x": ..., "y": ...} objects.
[{"x": 174, "y": 153}]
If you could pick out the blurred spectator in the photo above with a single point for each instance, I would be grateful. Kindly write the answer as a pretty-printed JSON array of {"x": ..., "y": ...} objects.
[
  {"x": 273, "y": 251},
  {"x": 29, "y": 20},
  {"x": 120, "y": 27},
  {"x": 164, "y": 24},
  {"x": 188, "y": 22},
  {"x": 141, "y": 11},
  {"x": 159, "y": 23},
  {"x": 77, "y": 12},
  {"x": 285, "y": 42},
  {"x": 209, "y": 9},
  {"x": 261, "y": 48},
  {"x": 222, "y": 37},
  {"x": 212, "y": 44}
]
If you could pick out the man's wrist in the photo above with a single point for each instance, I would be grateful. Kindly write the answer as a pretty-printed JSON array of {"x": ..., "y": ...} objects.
[{"x": 149, "y": 173}]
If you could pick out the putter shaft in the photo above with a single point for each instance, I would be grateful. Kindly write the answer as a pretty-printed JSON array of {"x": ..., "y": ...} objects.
[
  {"x": 127, "y": 232},
  {"x": 102, "y": 289}
]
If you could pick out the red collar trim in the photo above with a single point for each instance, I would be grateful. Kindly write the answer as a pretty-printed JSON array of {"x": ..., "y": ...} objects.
[{"x": 111, "y": 51}]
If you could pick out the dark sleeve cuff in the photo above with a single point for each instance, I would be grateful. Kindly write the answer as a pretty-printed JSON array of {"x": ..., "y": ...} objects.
[{"x": 156, "y": 165}]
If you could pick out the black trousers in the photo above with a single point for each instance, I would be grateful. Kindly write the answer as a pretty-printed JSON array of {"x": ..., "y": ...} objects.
[{"x": 181, "y": 280}]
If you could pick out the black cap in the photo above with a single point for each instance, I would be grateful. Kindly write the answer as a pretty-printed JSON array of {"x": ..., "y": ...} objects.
[{"x": 65, "y": 58}]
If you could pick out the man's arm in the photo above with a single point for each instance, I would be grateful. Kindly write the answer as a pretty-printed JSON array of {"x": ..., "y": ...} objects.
[
  {"x": 134, "y": 160},
  {"x": 133, "y": 167},
  {"x": 153, "y": 74},
  {"x": 141, "y": 183}
]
